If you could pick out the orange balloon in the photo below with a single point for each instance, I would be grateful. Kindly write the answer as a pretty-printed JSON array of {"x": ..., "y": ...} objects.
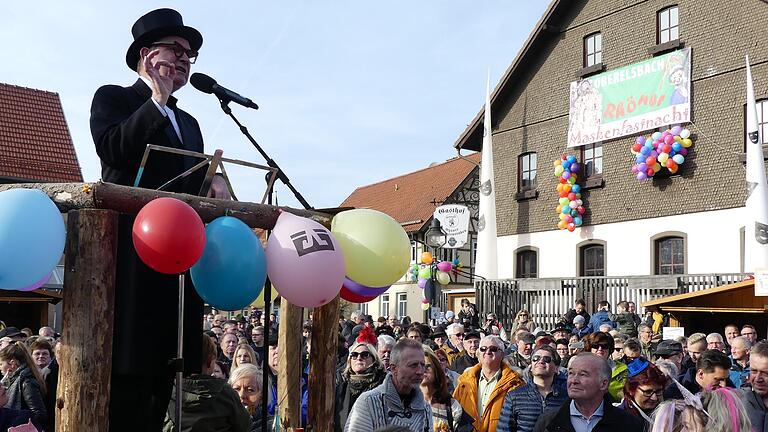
[{"x": 426, "y": 257}]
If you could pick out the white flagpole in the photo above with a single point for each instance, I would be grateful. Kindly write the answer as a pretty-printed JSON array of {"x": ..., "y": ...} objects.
[
  {"x": 756, "y": 227},
  {"x": 486, "y": 265}
]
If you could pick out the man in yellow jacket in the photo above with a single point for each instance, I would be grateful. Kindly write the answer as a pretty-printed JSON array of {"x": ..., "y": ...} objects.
[{"x": 481, "y": 389}]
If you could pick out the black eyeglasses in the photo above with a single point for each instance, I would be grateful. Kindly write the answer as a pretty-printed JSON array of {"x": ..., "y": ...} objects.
[
  {"x": 544, "y": 359},
  {"x": 649, "y": 393},
  {"x": 363, "y": 355},
  {"x": 491, "y": 349},
  {"x": 459, "y": 335},
  {"x": 604, "y": 347},
  {"x": 617, "y": 349},
  {"x": 179, "y": 50}
]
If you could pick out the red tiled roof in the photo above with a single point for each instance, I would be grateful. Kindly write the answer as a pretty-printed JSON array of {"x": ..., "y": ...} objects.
[
  {"x": 35, "y": 143},
  {"x": 408, "y": 198}
]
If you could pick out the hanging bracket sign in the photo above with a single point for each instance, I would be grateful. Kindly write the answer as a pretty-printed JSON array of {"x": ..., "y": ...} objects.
[{"x": 454, "y": 220}]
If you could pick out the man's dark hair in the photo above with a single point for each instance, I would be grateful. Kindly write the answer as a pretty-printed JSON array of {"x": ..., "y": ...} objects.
[
  {"x": 561, "y": 342},
  {"x": 604, "y": 303},
  {"x": 711, "y": 359},
  {"x": 552, "y": 353},
  {"x": 464, "y": 302},
  {"x": 749, "y": 326},
  {"x": 633, "y": 345},
  {"x": 760, "y": 349},
  {"x": 580, "y": 302}
]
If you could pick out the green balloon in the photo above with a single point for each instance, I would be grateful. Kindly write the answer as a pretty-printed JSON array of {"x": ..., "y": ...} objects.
[
  {"x": 377, "y": 251},
  {"x": 425, "y": 273}
]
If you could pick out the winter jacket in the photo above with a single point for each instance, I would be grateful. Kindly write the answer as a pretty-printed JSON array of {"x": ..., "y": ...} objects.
[
  {"x": 451, "y": 352},
  {"x": 739, "y": 374},
  {"x": 613, "y": 420},
  {"x": 382, "y": 406},
  {"x": 518, "y": 361},
  {"x": 208, "y": 405},
  {"x": 567, "y": 319},
  {"x": 11, "y": 417},
  {"x": 466, "y": 394},
  {"x": 625, "y": 323},
  {"x": 523, "y": 406},
  {"x": 24, "y": 392},
  {"x": 619, "y": 374},
  {"x": 758, "y": 414},
  {"x": 348, "y": 390},
  {"x": 463, "y": 362},
  {"x": 688, "y": 380},
  {"x": 598, "y": 319}
]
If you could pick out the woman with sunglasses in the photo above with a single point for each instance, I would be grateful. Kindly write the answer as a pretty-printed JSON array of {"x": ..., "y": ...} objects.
[
  {"x": 453, "y": 376},
  {"x": 446, "y": 411},
  {"x": 523, "y": 319},
  {"x": 602, "y": 344},
  {"x": 644, "y": 390},
  {"x": 362, "y": 373}
]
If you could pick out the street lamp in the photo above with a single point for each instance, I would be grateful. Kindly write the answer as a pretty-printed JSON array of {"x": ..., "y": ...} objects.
[{"x": 436, "y": 238}]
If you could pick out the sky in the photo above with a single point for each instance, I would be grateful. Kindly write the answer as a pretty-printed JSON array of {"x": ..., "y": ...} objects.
[{"x": 350, "y": 92}]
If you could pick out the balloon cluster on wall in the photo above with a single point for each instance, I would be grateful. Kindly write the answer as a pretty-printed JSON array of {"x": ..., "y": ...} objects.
[
  {"x": 570, "y": 207},
  {"x": 422, "y": 273},
  {"x": 666, "y": 149}
]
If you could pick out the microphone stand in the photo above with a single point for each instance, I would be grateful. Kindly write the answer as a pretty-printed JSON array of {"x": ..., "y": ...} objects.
[{"x": 272, "y": 164}]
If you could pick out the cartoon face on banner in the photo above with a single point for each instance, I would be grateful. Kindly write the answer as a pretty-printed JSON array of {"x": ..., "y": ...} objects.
[{"x": 304, "y": 261}]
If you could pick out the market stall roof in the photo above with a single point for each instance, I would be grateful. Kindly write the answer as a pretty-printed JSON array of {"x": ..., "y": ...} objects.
[{"x": 738, "y": 297}]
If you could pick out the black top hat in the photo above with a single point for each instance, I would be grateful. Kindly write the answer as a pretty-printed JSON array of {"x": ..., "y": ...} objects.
[
  {"x": 9, "y": 332},
  {"x": 158, "y": 24}
]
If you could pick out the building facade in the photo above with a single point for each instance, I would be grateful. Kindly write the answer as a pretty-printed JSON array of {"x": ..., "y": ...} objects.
[{"x": 690, "y": 222}]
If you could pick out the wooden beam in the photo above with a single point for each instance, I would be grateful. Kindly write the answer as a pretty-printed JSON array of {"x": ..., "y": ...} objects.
[
  {"x": 129, "y": 200},
  {"x": 289, "y": 374},
  {"x": 711, "y": 309},
  {"x": 24, "y": 299},
  {"x": 322, "y": 366},
  {"x": 82, "y": 400}
]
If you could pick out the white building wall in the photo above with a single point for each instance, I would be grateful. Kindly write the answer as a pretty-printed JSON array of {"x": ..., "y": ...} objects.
[{"x": 713, "y": 245}]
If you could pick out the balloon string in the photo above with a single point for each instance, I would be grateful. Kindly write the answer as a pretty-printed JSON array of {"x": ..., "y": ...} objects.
[{"x": 713, "y": 142}]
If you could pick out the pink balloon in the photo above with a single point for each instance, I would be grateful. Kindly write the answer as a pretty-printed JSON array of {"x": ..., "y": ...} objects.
[
  {"x": 444, "y": 266},
  {"x": 37, "y": 284},
  {"x": 304, "y": 261}
]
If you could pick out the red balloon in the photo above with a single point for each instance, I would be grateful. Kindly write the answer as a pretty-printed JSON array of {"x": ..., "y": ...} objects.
[
  {"x": 637, "y": 147},
  {"x": 354, "y": 298},
  {"x": 572, "y": 196},
  {"x": 168, "y": 235}
]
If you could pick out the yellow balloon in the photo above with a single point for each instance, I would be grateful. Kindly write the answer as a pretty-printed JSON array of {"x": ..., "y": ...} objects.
[
  {"x": 426, "y": 258},
  {"x": 443, "y": 278},
  {"x": 425, "y": 306},
  {"x": 259, "y": 302},
  {"x": 377, "y": 251},
  {"x": 686, "y": 142}
]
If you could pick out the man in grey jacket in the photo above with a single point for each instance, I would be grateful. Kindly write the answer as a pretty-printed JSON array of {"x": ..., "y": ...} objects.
[
  {"x": 756, "y": 398},
  {"x": 398, "y": 400}
]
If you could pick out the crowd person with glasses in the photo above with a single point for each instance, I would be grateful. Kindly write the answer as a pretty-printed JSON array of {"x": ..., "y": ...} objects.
[
  {"x": 644, "y": 390},
  {"x": 756, "y": 398},
  {"x": 446, "y": 411},
  {"x": 257, "y": 342},
  {"x": 523, "y": 319},
  {"x": 482, "y": 388},
  {"x": 750, "y": 333},
  {"x": 645, "y": 335},
  {"x": 468, "y": 357},
  {"x": 715, "y": 341},
  {"x": 363, "y": 372},
  {"x": 601, "y": 344},
  {"x": 123, "y": 121},
  {"x": 453, "y": 376},
  {"x": 455, "y": 343},
  {"x": 545, "y": 391},
  {"x": 521, "y": 358},
  {"x": 398, "y": 400}
]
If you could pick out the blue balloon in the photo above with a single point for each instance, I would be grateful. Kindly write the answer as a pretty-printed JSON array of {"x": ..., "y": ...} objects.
[
  {"x": 32, "y": 237},
  {"x": 571, "y": 159},
  {"x": 231, "y": 273},
  {"x": 566, "y": 209},
  {"x": 577, "y": 221},
  {"x": 576, "y": 188}
]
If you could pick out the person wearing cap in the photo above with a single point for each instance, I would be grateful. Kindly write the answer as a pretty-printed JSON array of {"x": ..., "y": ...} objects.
[
  {"x": 671, "y": 350},
  {"x": 450, "y": 317},
  {"x": 482, "y": 388},
  {"x": 545, "y": 391},
  {"x": 560, "y": 331},
  {"x": 644, "y": 390},
  {"x": 439, "y": 337},
  {"x": 468, "y": 357},
  {"x": 521, "y": 358},
  {"x": 580, "y": 327},
  {"x": 123, "y": 121}
]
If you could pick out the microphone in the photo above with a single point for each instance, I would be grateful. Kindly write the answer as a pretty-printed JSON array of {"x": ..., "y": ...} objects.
[{"x": 206, "y": 84}]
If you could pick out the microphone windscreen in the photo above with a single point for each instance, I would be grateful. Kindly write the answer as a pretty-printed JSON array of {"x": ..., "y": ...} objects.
[{"x": 202, "y": 82}]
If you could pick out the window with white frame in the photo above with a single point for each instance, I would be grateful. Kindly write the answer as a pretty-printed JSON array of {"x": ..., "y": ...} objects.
[
  {"x": 413, "y": 251},
  {"x": 384, "y": 309},
  {"x": 364, "y": 308},
  {"x": 592, "y": 158},
  {"x": 593, "y": 49},
  {"x": 402, "y": 304},
  {"x": 668, "y": 25}
]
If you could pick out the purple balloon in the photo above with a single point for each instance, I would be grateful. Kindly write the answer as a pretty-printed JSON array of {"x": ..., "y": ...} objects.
[
  {"x": 575, "y": 167},
  {"x": 640, "y": 140},
  {"x": 444, "y": 266},
  {"x": 642, "y": 176},
  {"x": 363, "y": 290},
  {"x": 676, "y": 130},
  {"x": 37, "y": 284},
  {"x": 422, "y": 283}
]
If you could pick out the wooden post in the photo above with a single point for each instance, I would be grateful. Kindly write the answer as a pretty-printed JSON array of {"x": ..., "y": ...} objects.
[
  {"x": 322, "y": 366},
  {"x": 289, "y": 375},
  {"x": 82, "y": 400}
]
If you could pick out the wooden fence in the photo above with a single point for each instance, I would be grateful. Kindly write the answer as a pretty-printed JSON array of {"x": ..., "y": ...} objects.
[{"x": 547, "y": 299}]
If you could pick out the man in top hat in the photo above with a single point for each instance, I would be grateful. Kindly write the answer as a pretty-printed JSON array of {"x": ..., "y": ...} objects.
[{"x": 123, "y": 121}]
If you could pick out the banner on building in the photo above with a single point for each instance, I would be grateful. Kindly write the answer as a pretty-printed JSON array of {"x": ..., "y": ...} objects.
[
  {"x": 454, "y": 219},
  {"x": 631, "y": 99}
]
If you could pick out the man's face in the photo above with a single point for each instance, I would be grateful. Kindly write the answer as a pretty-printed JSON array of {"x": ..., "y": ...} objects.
[
  {"x": 457, "y": 338},
  {"x": 413, "y": 334},
  {"x": 585, "y": 382},
  {"x": 730, "y": 333},
  {"x": 490, "y": 355},
  {"x": 739, "y": 351},
  {"x": 384, "y": 352},
  {"x": 42, "y": 357},
  {"x": 471, "y": 345},
  {"x": 645, "y": 335},
  {"x": 230, "y": 328},
  {"x": 218, "y": 320},
  {"x": 716, "y": 344},
  {"x": 758, "y": 374},
  {"x": 695, "y": 350},
  {"x": 542, "y": 364},
  {"x": 257, "y": 336},
  {"x": 631, "y": 308},
  {"x": 168, "y": 48},
  {"x": 409, "y": 371},
  {"x": 274, "y": 355},
  {"x": 218, "y": 332},
  {"x": 578, "y": 307},
  {"x": 524, "y": 348},
  {"x": 229, "y": 344},
  {"x": 392, "y": 320},
  {"x": 750, "y": 334},
  {"x": 712, "y": 380},
  {"x": 439, "y": 341}
]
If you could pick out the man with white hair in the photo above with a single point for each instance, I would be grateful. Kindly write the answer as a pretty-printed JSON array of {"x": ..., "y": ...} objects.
[
  {"x": 455, "y": 343},
  {"x": 385, "y": 345},
  {"x": 740, "y": 347},
  {"x": 481, "y": 389},
  {"x": 46, "y": 332},
  {"x": 398, "y": 400},
  {"x": 715, "y": 341}
]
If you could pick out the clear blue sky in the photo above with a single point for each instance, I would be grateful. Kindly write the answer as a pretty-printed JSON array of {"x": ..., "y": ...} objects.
[{"x": 351, "y": 92}]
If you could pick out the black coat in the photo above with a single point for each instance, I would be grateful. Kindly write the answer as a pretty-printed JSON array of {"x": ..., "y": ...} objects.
[
  {"x": 343, "y": 404},
  {"x": 24, "y": 393},
  {"x": 463, "y": 362},
  {"x": 559, "y": 420},
  {"x": 123, "y": 121}
]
